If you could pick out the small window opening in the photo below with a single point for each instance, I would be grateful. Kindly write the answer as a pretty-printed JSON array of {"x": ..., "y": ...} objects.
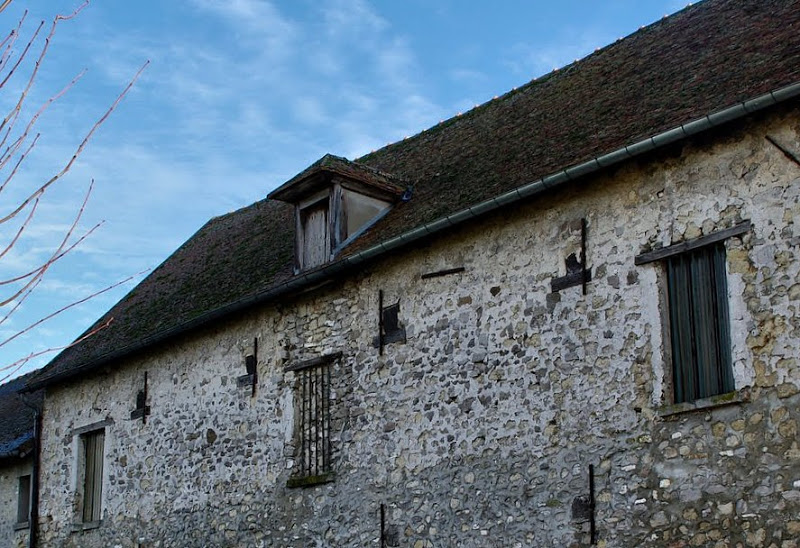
[
  {"x": 92, "y": 454},
  {"x": 24, "y": 500},
  {"x": 392, "y": 330}
]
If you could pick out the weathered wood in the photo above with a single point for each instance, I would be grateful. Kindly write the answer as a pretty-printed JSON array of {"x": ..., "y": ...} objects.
[
  {"x": 313, "y": 362},
  {"x": 786, "y": 152},
  {"x": 315, "y": 237},
  {"x": 580, "y": 277},
  {"x": 688, "y": 245},
  {"x": 439, "y": 273}
]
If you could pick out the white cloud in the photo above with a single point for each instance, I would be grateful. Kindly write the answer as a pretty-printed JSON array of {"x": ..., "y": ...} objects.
[
  {"x": 210, "y": 128},
  {"x": 353, "y": 20},
  {"x": 463, "y": 75},
  {"x": 258, "y": 17}
]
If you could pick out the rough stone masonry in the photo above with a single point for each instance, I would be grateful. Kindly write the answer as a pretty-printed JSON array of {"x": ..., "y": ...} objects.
[{"x": 480, "y": 428}]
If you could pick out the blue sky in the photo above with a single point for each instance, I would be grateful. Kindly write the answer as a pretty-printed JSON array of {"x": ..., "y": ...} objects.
[{"x": 239, "y": 96}]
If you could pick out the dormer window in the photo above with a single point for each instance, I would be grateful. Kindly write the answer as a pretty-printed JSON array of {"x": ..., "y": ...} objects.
[
  {"x": 314, "y": 244},
  {"x": 335, "y": 201}
]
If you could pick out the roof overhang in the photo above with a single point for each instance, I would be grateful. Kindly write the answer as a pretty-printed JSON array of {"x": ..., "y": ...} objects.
[{"x": 317, "y": 277}]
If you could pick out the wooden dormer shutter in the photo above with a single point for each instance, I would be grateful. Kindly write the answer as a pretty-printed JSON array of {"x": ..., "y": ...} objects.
[{"x": 315, "y": 245}]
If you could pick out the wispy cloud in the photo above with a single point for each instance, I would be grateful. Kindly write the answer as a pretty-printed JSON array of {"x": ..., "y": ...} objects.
[{"x": 529, "y": 60}]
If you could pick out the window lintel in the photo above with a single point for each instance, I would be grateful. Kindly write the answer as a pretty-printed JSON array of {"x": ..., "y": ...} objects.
[{"x": 689, "y": 245}]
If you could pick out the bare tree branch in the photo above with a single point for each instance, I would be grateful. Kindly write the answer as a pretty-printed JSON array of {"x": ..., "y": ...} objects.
[
  {"x": 20, "y": 363},
  {"x": 17, "y": 141},
  {"x": 63, "y": 309}
]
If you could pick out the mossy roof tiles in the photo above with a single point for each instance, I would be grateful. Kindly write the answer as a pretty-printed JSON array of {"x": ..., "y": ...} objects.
[{"x": 705, "y": 58}]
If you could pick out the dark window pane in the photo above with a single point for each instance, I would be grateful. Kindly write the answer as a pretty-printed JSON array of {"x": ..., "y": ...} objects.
[{"x": 24, "y": 499}]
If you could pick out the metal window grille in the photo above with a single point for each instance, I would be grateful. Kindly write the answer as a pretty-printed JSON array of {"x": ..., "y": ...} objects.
[
  {"x": 315, "y": 421},
  {"x": 24, "y": 499},
  {"x": 92, "y": 475},
  {"x": 699, "y": 323}
]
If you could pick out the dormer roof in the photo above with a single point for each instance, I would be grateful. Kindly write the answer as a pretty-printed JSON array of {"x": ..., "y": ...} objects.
[{"x": 321, "y": 173}]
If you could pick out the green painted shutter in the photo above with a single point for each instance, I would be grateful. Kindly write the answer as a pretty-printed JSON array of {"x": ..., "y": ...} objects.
[{"x": 699, "y": 322}]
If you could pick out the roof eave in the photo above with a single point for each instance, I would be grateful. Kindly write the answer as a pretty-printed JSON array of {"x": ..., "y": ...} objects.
[{"x": 548, "y": 182}]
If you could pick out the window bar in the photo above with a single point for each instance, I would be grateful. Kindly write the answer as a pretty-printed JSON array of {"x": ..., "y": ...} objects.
[
  {"x": 380, "y": 322},
  {"x": 317, "y": 418},
  {"x": 328, "y": 418},
  {"x": 312, "y": 416},
  {"x": 324, "y": 406},
  {"x": 307, "y": 426},
  {"x": 327, "y": 396},
  {"x": 302, "y": 420},
  {"x": 322, "y": 434},
  {"x": 592, "y": 508}
]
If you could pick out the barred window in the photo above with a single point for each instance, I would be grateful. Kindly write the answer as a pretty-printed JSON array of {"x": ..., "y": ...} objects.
[{"x": 313, "y": 422}]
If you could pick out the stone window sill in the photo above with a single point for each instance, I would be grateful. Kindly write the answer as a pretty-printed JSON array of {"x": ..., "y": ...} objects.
[
  {"x": 21, "y": 525},
  {"x": 309, "y": 481},
  {"x": 89, "y": 525},
  {"x": 735, "y": 397}
]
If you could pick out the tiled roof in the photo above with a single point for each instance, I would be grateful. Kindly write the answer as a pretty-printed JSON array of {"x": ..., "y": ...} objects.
[
  {"x": 705, "y": 58},
  {"x": 16, "y": 419}
]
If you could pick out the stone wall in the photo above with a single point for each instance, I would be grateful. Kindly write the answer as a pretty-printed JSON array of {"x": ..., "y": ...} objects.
[
  {"x": 10, "y": 534},
  {"x": 481, "y": 428}
]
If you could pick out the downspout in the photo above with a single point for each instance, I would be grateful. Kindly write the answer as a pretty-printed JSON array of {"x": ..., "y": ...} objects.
[{"x": 33, "y": 517}]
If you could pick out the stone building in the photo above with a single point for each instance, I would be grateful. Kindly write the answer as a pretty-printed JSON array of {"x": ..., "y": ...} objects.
[
  {"x": 17, "y": 450},
  {"x": 568, "y": 317}
]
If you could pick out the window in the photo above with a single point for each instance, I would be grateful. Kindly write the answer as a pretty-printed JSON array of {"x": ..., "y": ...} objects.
[
  {"x": 24, "y": 500},
  {"x": 358, "y": 210},
  {"x": 699, "y": 326},
  {"x": 315, "y": 235},
  {"x": 335, "y": 201},
  {"x": 390, "y": 329},
  {"x": 313, "y": 422},
  {"x": 92, "y": 470}
]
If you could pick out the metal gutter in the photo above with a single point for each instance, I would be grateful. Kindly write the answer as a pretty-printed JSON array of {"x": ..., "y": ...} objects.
[{"x": 528, "y": 190}]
